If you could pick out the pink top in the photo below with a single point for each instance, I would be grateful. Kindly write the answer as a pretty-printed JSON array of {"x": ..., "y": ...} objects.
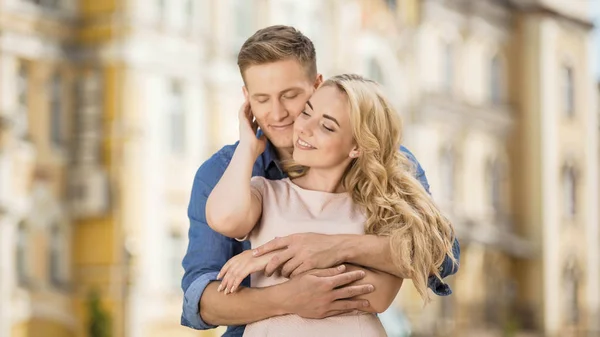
[{"x": 290, "y": 209}]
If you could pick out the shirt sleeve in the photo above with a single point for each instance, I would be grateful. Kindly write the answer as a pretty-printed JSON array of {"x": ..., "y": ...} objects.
[
  {"x": 207, "y": 250},
  {"x": 258, "y": 186}
]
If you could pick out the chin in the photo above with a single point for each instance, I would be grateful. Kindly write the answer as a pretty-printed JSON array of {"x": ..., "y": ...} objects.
[
  {"x": 281, "y": 142},
  {"x": 300, "y": 159}
]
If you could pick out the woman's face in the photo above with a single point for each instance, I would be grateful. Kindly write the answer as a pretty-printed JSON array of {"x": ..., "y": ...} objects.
[{"x": 322, "y": 133}]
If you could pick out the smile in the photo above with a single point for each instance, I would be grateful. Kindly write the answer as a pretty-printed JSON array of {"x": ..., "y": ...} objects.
[
  {"x": 304, "y": 145},
  {"x": 281, "y": 127}
]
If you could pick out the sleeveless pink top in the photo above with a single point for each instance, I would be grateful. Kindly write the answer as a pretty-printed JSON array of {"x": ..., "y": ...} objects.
[{"x": 289, "y": 209}]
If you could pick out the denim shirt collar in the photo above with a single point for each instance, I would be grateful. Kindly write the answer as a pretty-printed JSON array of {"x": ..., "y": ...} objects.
[{"x": 270, "y": 157}]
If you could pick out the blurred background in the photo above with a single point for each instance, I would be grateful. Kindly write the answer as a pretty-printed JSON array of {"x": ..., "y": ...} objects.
[{"x": 108, "y": 107}]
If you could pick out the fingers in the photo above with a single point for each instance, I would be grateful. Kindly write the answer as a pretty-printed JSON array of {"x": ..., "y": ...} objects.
[
  {"x": 303, "y": 268},
  {"x": 273, "y": 245},
  {"x": 336, "y": 313},
  {"x": 277, "y": 261},
  {"x": 346, "y": 278},
  {"x": 231, "y": 281},
  {"x": 349, "y": 305},
  {"x": 353, "y": 291},
  {"x": 290, "y": 267},
  {"x": 244, "y": 109},
  {"x": 329, "y": 271}
]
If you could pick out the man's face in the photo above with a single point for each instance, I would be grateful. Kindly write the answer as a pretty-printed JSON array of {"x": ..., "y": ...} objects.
[{"x": 277, "y": 93}]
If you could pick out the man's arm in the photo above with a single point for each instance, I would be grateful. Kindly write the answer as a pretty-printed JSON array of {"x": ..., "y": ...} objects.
[
  {"x": 385, "y": 285},
  {"x": 374, "y": 252},
  {"x": 316, "y": 294},
  {"x": 207, "y": 250}
]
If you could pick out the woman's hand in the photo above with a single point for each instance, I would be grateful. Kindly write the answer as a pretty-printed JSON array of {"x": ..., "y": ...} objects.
[
  {"x": 238, "y": 268},
  {"x": 248, "y": 127}
]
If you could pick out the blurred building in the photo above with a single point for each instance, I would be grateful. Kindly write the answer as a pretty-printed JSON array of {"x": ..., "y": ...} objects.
[
  {"x": 97, "y": 153},
  {"x": 108, "y": 107}
]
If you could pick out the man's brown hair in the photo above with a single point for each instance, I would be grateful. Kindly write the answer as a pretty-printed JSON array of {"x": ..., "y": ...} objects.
[{"x": 278, "y": 43}]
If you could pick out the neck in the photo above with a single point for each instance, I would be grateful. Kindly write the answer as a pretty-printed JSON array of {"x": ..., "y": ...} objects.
[
  {"x": 322, "y": 180},
  {"x": 284, "y": 153}
]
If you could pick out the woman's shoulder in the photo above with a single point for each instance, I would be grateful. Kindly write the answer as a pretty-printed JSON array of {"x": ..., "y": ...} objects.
[{"x": 265, "y": 184}]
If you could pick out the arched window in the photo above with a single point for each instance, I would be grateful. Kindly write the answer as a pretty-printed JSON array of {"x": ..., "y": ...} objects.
[
  {"x": 176, "y": 251},
  {"x": 571, "y": 286},
  {"x": 568, "y": 91},
  {"x": 56, "y": 255},
  {"x": 375, "y": 71},
  {"x": 448, "y": 174},
  {"x": 176, "y": 113},
  {"x": 448, "y": 67},
  {"x": 22, "y": 254},
  {"x": 569, "y": 188},
  {"x": 496, "y": 79},
  {"x": 56, "y": 107},
  {"x": 494, "y": 185}
]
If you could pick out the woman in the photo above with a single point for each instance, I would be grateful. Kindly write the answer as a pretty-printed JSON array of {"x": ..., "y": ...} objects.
[{"x": 347, "y": 176}]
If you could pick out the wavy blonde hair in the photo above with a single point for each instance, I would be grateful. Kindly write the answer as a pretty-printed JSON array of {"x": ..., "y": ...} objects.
[{"x": 382, "y": 181}]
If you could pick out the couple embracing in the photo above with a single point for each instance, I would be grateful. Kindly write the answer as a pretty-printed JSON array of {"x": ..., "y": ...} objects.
[{"x": 308, "y": 225}]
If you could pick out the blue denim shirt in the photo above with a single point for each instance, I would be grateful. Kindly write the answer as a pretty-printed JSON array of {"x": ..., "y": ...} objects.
[{"x": 208, "y": 250}]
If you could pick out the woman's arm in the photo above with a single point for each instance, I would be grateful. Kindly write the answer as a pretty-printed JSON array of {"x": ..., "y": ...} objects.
[
  {"x": 234, "y": 206},
  {"x": 386, "y": 288}
]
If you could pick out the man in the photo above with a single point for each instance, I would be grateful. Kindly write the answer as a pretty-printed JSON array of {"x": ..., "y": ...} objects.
[{"x": 278, "y": 65}]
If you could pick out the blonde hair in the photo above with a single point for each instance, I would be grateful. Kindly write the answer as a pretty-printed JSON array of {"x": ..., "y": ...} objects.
[
  {"x": 382, "y": 181},
  {"x": 278, "y": 43}
]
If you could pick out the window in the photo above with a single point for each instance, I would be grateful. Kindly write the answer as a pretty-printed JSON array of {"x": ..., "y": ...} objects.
[
  {"x": 244, "y": 21},
  {"x": 52, "y": 4},
  {"x": 494, "y": 185},
  {"x": 568, "y": 92},
  {"x": 176, "y": 115},
  {"x": 22, "y": 118},
  {"x": 391, "y": 4},
  {"x": 160, "y": 11},
  {"x": 569, "y": 179},
  {"x": 496, "y": 80},
  {"x": 56, "y": 255},
  {"x": 88, "y": 118},
  {"x": 22, "y": 254},
  {"x": 448, "y": 67},
  {"x": 189, "y": 14},
  {"x": 448, "y": 175},
  {"x": 375, "y": 71},
  {"x": 56, "y": 110},
  {"x": 176, "y": 247},
  {"x": 571, "y": 284}
]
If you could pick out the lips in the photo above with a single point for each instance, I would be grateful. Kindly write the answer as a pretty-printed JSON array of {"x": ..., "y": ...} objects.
[
  {"x": 281, "y": 127},
  {"x": 304, "y": 145}
]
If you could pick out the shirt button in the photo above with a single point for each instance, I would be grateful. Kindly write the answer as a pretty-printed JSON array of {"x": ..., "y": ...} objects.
[{"x": 441, "y": 269}]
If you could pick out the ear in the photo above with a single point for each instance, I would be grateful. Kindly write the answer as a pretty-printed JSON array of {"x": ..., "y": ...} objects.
[
  {"x": 245, "y": 91},
  {"x": 355, "y": 153},
  {"x": 318, "y": 81}
]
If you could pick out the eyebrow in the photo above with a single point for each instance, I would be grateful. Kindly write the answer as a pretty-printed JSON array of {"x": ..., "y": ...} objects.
[
  {"x": 332, "y": 119},
  {"x": 324, "y": 115}
]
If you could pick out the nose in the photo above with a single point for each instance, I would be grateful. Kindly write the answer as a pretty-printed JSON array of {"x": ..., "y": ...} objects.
[{"x": 278, "y": 111}]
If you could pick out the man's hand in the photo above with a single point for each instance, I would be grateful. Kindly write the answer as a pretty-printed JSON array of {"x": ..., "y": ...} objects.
[
  {"x": 324, "y": 292},
  {"x": 301, "y": 252}
]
